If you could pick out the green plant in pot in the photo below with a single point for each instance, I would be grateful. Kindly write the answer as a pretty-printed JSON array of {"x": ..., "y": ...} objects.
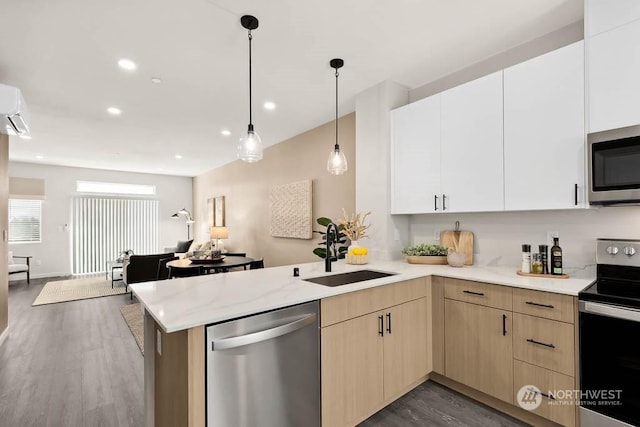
[
  {"x": 426, "y": 254},
  {"x": 341, "y": 247}
]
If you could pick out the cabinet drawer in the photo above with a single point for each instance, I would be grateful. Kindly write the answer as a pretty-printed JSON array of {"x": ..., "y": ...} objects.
[
  {"x": 348, "y": 306},
  {"x": 545, "y": 343},
  {"x": 544, "y": 304},
  {"x": 557, "y": 407},
  {"x": 495, "y": 296}
]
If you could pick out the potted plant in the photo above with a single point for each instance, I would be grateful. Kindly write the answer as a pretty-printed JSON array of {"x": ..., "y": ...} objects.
[
  {"x": 426, "y": 254},
  {"x": 341, "y": 248}
]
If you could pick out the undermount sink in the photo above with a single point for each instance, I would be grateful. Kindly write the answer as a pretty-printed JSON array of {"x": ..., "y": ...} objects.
[{"x": 347, "y": 278}]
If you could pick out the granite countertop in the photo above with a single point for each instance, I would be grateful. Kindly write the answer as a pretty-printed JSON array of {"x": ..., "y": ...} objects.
[{"x": 189, "y": 302}]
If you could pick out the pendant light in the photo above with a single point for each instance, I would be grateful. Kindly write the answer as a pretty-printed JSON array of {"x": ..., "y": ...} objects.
[
  {"x": 250, "y": 145},
  {"x": 337, "y": 162}
]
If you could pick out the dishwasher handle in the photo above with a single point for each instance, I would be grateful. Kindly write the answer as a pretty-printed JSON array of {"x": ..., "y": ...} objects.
[{"x": 267, "y": 334}]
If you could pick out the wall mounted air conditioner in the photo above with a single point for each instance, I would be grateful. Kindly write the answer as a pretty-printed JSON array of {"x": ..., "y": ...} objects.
[{"x": 14, "y": 115}]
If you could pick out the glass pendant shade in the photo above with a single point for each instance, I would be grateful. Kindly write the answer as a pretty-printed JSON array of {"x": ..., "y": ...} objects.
[
  {"x": 337, "y": 162},
  {"x": 250, "y": 146}
]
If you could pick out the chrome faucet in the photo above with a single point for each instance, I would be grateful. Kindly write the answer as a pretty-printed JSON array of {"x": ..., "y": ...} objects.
[{"x": 332, "y": 239}]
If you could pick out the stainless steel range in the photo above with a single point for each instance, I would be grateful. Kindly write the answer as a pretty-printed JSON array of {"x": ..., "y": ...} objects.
[{"x": 610, "y": 338}]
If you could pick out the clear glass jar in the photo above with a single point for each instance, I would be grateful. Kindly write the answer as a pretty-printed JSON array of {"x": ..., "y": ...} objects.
[{"x": 536, "y": 263}]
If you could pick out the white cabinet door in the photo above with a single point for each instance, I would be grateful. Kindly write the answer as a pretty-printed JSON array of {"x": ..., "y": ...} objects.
[
  {"x": 472, "y": 143},
  {"x": 544, "y": 131},
  {"x": 415, "y": 156},
  {"x": 605, "y": 15},
  {"x": 614, "y": 78}
]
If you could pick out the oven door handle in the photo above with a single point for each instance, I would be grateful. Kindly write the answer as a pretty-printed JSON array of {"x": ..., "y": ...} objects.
[{"x": 626, "y": 313}]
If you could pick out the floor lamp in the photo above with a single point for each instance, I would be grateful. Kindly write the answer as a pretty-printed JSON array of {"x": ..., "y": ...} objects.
[{"x": 187, "y": 215}]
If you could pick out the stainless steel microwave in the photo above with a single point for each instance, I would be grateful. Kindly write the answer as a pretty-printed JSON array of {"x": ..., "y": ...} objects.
[{"x": 614, "y": 166}]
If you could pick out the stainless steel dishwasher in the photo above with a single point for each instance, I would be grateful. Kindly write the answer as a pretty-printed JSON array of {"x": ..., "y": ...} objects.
[{"x": 264, "y": 370}]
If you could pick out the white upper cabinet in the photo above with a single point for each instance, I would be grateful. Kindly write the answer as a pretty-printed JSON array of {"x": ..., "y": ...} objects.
[
  {"x": 415, "y": 156},
  {"x": 605, "y": 15},
  {"x": 472, "y": 144},
  {"x": 613, "y": 58},
  {"x": 544, "y": 131}
]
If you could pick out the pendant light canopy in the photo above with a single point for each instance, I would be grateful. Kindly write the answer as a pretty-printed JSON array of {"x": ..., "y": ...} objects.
[
  {"x": 250, "y": 145},
  {"x": 337, "y": 162}
]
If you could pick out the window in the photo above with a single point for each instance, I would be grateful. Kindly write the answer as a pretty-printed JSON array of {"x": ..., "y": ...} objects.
[
  {"x": 115, "y": 188},
  {"x": 25, "y": 221}
]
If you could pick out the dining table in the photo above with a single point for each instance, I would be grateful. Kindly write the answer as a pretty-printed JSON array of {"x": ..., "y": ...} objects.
[{"x": 223, "y": 265}]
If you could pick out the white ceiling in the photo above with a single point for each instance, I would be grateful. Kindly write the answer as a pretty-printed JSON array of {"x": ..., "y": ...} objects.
[{"x": 63, "y": 54}]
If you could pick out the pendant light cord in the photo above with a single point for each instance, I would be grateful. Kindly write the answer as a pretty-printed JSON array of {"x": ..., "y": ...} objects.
[
  {"x": 250, "y": 116},
  {"x": 337, "y": 146}
]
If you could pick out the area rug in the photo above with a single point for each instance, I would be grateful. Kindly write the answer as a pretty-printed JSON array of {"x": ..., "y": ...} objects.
[
  {"x": 132, "y": 314},
  {"x": 77, "y": 289}
]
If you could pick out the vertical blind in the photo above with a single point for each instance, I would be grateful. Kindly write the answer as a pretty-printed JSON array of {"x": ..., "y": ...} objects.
[
  {"x": 25, "y": 220},
  {"x": 104, "y": 227}
]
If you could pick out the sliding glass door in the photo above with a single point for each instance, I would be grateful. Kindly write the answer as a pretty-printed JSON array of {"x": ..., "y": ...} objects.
[{"x": 104, "y": 227}]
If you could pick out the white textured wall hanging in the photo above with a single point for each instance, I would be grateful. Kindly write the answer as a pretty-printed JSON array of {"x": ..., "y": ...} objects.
[{"x": 291, "y": 210}]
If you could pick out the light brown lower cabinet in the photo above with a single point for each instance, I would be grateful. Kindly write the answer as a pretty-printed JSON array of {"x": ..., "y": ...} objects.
[
  {"x": 370, "y": 360},
  {"x": 479, "y": 348}
]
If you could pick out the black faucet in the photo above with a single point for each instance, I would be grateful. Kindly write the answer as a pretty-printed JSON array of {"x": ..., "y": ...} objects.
[{"x": 332, "y": 239}]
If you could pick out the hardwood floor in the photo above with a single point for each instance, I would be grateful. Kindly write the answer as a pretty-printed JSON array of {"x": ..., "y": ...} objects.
[
  {"x": 69, "y": 364},
  {"x": 77, "y": 364},
  {"x": 431, "y": 404}
]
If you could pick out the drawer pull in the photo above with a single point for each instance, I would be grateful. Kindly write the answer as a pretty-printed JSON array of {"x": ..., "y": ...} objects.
[
  {"x": 539, "y": 305},
  {"x": 478, "y": 294},
  {"x": 540, "y": 343}
]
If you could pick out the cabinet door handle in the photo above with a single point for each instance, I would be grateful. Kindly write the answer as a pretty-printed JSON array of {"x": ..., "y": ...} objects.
[
  {"x": 504, "y": 325},
  {"x": 381, "y": 325},
  {"x": 435, "y": 202},
  {"x": 444, "y": 202},
  {"x": 478, "y": 294},
  {"x": 575, "y": 190},
  {"x": 539, "y": 305},
  {"x": 389, "y": 322},
  {"x": 532, "y": 341}
]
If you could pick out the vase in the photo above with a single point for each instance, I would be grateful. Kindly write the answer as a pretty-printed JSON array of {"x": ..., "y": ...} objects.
[
  {"x": 456, "y": 259},
  {"x": 351, "y": 258}
]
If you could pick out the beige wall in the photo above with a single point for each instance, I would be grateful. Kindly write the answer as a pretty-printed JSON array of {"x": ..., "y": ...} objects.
[
  {"x": 246, "y": 189},
  {"x": 4, "y": 212}
]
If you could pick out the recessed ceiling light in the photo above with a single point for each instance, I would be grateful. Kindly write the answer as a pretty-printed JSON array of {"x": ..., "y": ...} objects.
[
  {"x": 178, "y": 156},
  {"x": 39, "y": 157},
  {"x": 127, "y": 64},
  {"x": 114, "y": 111},
  {"x": 269, "y": 105},
  {"x": 225, "y": 132},
  {"x": 156, "y": 80}
]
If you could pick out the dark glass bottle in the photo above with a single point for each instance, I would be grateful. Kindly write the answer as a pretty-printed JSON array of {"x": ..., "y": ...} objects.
[
  {"x": 556, "y": 257},
  {"x": 544, "y": 253}
]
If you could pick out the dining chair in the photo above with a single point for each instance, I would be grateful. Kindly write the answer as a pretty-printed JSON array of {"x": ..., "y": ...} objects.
[
  {"x": 163, "y": 270},
  {"x": 257, "y": 263},
  {"x": 186, "y": 272}
]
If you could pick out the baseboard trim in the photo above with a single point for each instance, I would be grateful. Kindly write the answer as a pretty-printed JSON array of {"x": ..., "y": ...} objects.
[
  {"x": 4, "y": 335},
  {"x": 20, "y": 277}
]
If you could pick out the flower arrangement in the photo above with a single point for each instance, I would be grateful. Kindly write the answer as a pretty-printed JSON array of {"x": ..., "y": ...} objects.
[
  {"x": 426, "y": 254},
  {"x": 354, "y": 226},
  {"x": 425, "y": 250}
]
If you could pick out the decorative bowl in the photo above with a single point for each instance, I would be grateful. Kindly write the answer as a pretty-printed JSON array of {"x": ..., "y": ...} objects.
[{"x": 427, "y": 259}]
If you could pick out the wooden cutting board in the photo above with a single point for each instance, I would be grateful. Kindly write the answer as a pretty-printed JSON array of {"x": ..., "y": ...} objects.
[{"x": 463, "y": 239}]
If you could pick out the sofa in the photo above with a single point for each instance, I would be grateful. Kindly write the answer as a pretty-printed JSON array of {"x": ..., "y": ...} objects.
[{"x": 142, "y": 268}]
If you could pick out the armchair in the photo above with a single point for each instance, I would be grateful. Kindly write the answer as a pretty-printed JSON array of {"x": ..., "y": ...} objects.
[{"x": 15, "y": 268}]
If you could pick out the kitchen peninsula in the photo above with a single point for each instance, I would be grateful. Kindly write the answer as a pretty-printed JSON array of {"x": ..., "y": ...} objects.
[{"x": 438, "y": 300}]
